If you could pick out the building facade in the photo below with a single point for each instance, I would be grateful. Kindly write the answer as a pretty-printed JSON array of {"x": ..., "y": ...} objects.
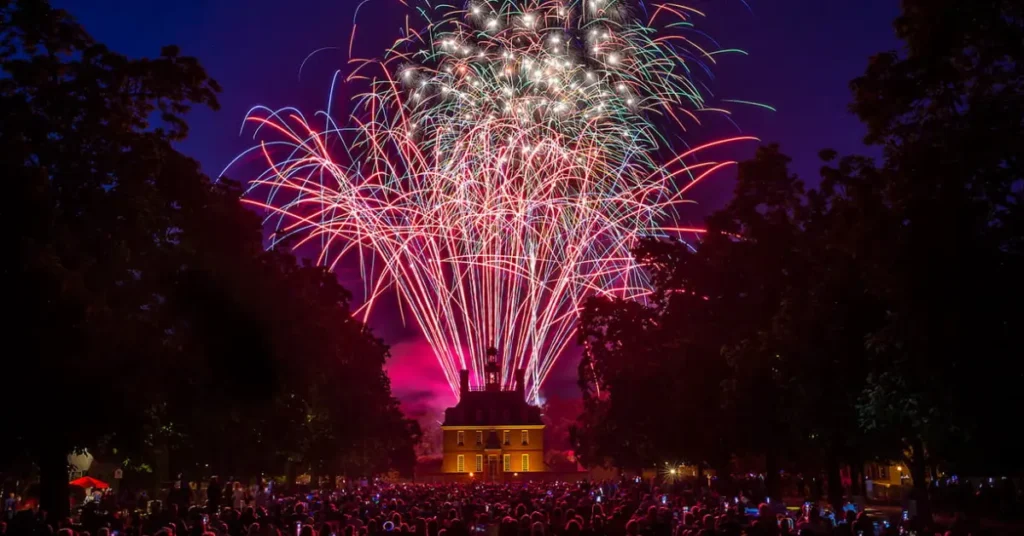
[
  {"x": 492, "y": 434},
  {"x": 886, "y": 481}
]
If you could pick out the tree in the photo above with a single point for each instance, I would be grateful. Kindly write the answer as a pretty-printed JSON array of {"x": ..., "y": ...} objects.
[
  {"x": 763, "y": 325},
  {"x": 948, "y": 112},
  {"x": 142, "y": 288},
  {"x": 677, "y": 368},
  {"x": 86, "y": 140},
  {"x": 886, "y": 297}
]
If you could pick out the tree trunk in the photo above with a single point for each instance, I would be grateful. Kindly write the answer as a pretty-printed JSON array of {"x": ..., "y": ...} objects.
[
  {"x": 723, "y": 468},
  {"x": 53, "y": 483},
  {"x": 918, "y": 473},
  {"x": 290, "y": 474},
  {"x": 857, "y": 477},
  {"x": 835, "y": 482},
  {"x": 771, "y": 475}
]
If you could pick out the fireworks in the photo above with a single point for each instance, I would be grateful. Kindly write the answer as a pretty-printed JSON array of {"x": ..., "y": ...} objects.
[{"x": 498, "y": 169}]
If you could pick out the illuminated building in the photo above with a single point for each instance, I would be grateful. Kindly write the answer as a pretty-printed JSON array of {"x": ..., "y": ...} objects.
[{"x": 493, "y": 434}]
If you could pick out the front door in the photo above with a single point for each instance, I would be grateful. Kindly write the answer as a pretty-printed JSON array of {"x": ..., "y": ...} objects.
[{"x": 492, "y": 467}]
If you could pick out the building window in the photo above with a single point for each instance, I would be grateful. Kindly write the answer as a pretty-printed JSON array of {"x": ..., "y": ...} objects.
[
  {"x": 460, "y": 464},
  {"x": 506, "y": 463},
  {"x": 883, "y": 472},
  {"x": 526, "y": 462},
  {"x": 506, "y": 437},
  {"x": 479, "y": 463},
  {"x": 479, "y": 415},
  {"x": 526, "y": 437},
  {"x": 460, "y": 438},
  {"x": 479, "y": 438}
]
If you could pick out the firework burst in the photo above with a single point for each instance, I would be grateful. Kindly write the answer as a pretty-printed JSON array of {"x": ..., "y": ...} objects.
[{"x": 499, "y": 169}]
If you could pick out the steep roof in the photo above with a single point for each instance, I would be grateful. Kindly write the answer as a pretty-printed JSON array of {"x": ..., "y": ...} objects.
[{"x": 492, "y": 408}]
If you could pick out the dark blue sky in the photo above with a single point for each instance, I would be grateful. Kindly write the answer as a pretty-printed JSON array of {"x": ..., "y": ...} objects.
[{"x": 803, "y": 53}]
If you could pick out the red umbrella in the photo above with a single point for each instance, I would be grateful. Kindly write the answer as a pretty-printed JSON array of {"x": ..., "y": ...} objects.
[{"x": 89, "y": 482}]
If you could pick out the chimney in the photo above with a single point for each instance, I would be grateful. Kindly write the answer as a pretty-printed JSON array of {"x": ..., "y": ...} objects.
[
  {"x": 521, "y": 383},
  {"x": 463, "y": 382}
]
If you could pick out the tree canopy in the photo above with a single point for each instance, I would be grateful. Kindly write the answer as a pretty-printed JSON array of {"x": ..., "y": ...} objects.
[
  {"x": 145, "y": 316},
  {"x": 870, "y": 317}
]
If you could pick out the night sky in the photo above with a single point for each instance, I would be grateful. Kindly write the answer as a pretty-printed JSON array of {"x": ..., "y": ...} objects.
[{"x": 803, "y": 53}]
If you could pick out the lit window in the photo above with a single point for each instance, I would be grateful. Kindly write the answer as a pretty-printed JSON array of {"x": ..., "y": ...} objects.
[
  {"x": 506, "y": 463},
  {"x": 461, "y": 438},
  {"x": 479, "y": 438},
  {"x": 507, "y": 437},
  {"x": 479, "y": 463},
  {"x": 526, "y": 437},
  {"x": 526, "y": 462},
  {"x": 460, "y": 464}
]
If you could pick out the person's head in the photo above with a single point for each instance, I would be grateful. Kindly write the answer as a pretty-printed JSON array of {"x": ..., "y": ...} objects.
[
  {"x": 306, "y": 530},
  {"x": 632, "y": 529},
  {"x": 537, "y": 529},
  {"x": 572, "y": 528},
  {"x": 764, "y": 512}
]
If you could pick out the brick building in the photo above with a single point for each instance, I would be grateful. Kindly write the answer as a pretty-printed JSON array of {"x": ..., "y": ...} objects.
[{"x": 492, "y": 434}]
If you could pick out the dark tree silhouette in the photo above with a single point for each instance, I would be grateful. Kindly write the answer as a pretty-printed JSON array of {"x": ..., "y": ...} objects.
[
  {"x": 948, "y": 111},
  {"x": 876, "y": 316},
  {"x": 145, "y": 313}
]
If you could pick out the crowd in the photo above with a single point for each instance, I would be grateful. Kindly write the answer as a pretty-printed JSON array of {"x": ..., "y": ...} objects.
[{"x": 626, "y": 508}]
